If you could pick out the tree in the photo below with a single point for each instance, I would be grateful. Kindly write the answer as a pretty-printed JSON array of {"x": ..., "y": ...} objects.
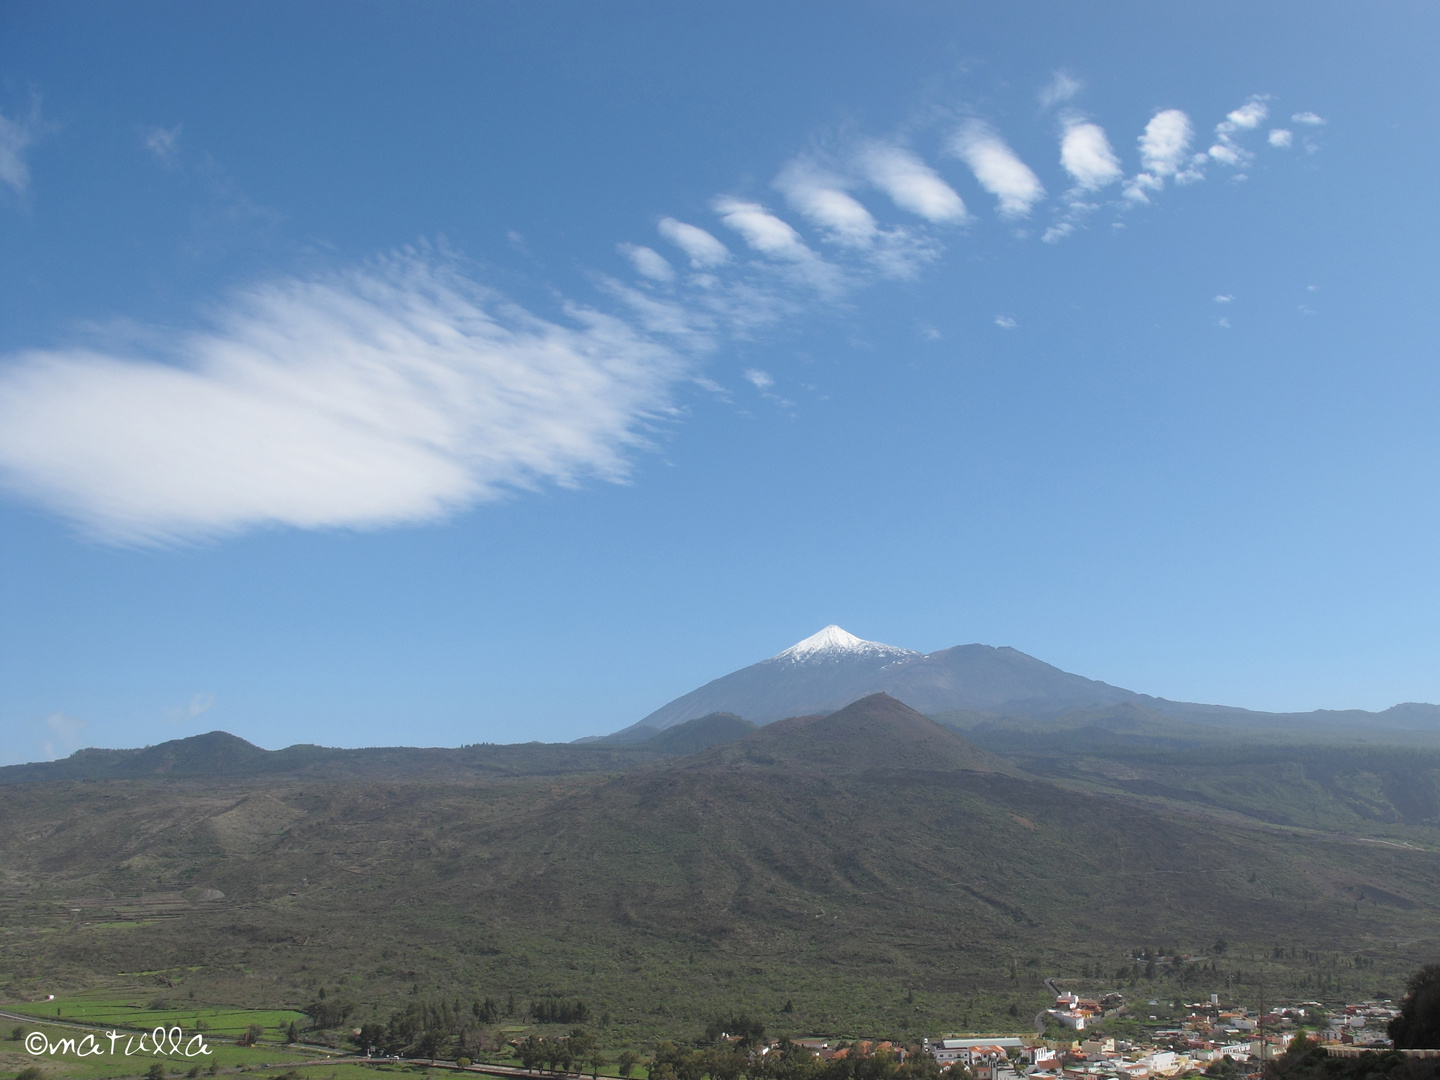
[
  {"x": 595, "y": 1058},
  {"x": 626, "y": 1061},
  {"x": 292, "y": 1034},
  {"x": 531, "y": 1052},
  {"x": 1418, "y": 1025},
  {"x": 252, "y": 1035}
]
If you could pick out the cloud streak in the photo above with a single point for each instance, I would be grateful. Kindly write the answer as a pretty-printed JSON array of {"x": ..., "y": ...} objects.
[
  {"x": 702, "y": 248},
  {"x": 16, "y": 136},
  {"x": 997, "y": 169},
  {"x": 911, "y": 184},
  {"x": 399, "y": 392}
]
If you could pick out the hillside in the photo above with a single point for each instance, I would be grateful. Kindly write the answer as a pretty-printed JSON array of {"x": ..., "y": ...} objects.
[{"x": 841, "y": 864}]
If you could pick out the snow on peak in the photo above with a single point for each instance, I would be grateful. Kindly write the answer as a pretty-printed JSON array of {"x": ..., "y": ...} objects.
[{"x": 833, "y": 642}]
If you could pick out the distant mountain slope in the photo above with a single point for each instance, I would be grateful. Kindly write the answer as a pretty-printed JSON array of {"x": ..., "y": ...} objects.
[
  {"x": 829, "y": 670},
  {"x": 220, "y": 754},
  {"x": 971, "y": 685},
  {"x": 686, "y": 738},
  {"x": 823, "y": 673}
]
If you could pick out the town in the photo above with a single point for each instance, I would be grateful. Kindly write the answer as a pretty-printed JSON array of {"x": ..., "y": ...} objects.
[{"x": 1213, "y": 1038}]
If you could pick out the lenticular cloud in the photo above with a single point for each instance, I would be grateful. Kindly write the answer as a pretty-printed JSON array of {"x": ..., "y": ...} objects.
[{"x": 397, "y": 393}]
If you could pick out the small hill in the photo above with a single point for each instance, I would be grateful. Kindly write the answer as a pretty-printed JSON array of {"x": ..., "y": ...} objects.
[
  {"x": 700, "y": 733},
  {"x": 216, "y": 753},
  {"x": 876, "y": 732}
]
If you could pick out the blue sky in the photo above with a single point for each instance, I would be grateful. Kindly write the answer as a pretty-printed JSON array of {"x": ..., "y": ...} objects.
[{"x": 446, "y": 373}]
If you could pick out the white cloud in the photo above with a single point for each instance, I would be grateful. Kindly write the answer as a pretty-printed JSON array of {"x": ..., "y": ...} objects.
[
  {"x": 648, "y": 262},
  {"x": 1165, "y": 142},
  {"x": 1308, "y": 118},
  {"x": 1246, "y": 118},
  {"x": 1224, "y": 324},
  {"x": 164, "y": 143},
  {"x": 1057, "y": 232},
  {"x": 768, "y": 235},
  {"x": 759, "y": 379},
  {"x": 1085, "y": 153},
  {"x": 1227, "y": 154},
  {"x": 822, "y": 198},
  {"x": 997, "y": 168},
  {"x": 1224, "y": 298},
  {"x": 911, "y": 184},
  {"x": 1281, "y": 139},
  {"x": 1005, "y": 322},
  {"x": 824, "y": 202},
  {"x": 400, "y": 392},
  {"x": 198, "y": 706},
  {"x": 15, "y": 139},
  {"x": 1062, "y": 87},
  {"x": 1164, "y": 148},
  {"x": 704, "y": 250},
  {"x": 64, "y": 738},
  {"x": 762, "y": 230}
]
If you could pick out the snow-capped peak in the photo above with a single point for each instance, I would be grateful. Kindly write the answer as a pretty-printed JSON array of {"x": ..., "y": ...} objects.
[{"x": 835, "y": 642}]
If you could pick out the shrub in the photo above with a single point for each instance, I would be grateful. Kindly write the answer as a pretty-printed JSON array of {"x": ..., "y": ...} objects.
[{"x": 30, "y": 1072}]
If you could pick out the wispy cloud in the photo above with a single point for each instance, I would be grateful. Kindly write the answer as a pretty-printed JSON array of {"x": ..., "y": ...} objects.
[
  {"x": 1308, "y": 118},
  {"x": 399, "y": 392},
  {"x": 16, "y": 137},
  {"x": 820, "y": 197},
  {"x": 1227, "y": 150},
  {"x": 1086, "y": 154},
  {"x": 768, "y": 235},
  {"x": 164, "y": 143},
  {"x": 762, "y": 230},
  {"x": 1164, "y": 149},
  {"x": 1061, "y": 88},
  {"x": 64, "y": 735},
  {"x": 702, "y": 248},
  {"x": 1281, "y": 139},
  {"x": 198, "y": 706},
  {"x": 648, "y": 262},
  {"x": 997, "y": 169},
  {"x": 1224, "y": 298},
  {"x": 911, "y": 184},
  {"x": 404, "y": 391}
]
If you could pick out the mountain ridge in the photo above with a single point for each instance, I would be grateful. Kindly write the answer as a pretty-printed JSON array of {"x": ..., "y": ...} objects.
[{"x": 832, "y": 668}]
